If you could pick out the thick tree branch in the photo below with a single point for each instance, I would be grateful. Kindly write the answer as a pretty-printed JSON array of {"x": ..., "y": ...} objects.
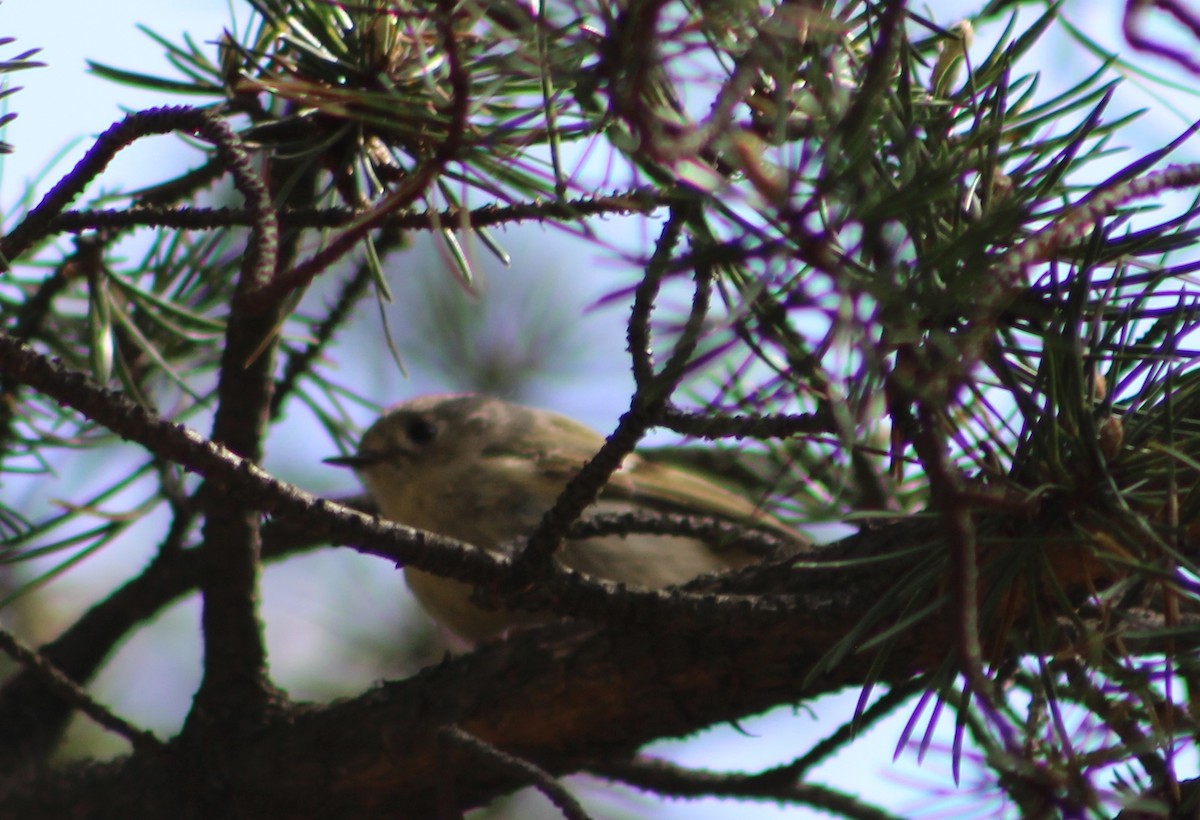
[
  {"x": 613, "y": 690},
  {"x": 235, "y": 691}
]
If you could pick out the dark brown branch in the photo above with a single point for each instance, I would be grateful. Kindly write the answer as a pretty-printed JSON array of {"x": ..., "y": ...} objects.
[
  {"x": 770, "y": 426},
  {"x": 651, "y": 394},
  {"x": 637, "y": 334},
  {"x": 635, "y": 200},
  {"x": 53, "y": 678},
  {"x": 235, "y": 692},
  {"x": 614, "y": 690},
  {"x": 36, "y": 223}
]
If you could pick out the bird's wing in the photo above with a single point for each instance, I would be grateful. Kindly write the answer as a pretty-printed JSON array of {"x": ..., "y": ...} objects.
[{"x": 667, "y": 488}]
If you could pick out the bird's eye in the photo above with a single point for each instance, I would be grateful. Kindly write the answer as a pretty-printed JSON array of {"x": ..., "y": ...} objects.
[{"x": 420, "y": 431}]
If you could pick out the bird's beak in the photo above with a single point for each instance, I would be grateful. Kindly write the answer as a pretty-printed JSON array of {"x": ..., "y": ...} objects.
[{"x": 355, "y": 462}]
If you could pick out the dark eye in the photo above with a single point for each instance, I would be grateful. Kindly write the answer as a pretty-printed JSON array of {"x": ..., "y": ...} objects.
[{"x": 420, "y": 431}]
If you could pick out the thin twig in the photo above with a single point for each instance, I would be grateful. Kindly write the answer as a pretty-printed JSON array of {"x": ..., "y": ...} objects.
[
  {"x": 119, "y": 136},
  {"x": 72, "y": 693},
  {"x": 541, "y": 780},
  {"x": 664, "y": 778},
  {"x": 622, "y": 203},
  {"x": 713, "y": 425},
  {"x": 650, "y": 396}
]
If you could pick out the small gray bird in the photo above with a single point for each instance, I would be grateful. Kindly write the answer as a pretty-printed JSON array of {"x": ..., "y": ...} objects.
[{"x": 485, "y": 471}]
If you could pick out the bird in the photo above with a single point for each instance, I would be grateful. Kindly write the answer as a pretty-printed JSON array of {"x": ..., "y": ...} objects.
[{"x": 484, "y": 470}]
